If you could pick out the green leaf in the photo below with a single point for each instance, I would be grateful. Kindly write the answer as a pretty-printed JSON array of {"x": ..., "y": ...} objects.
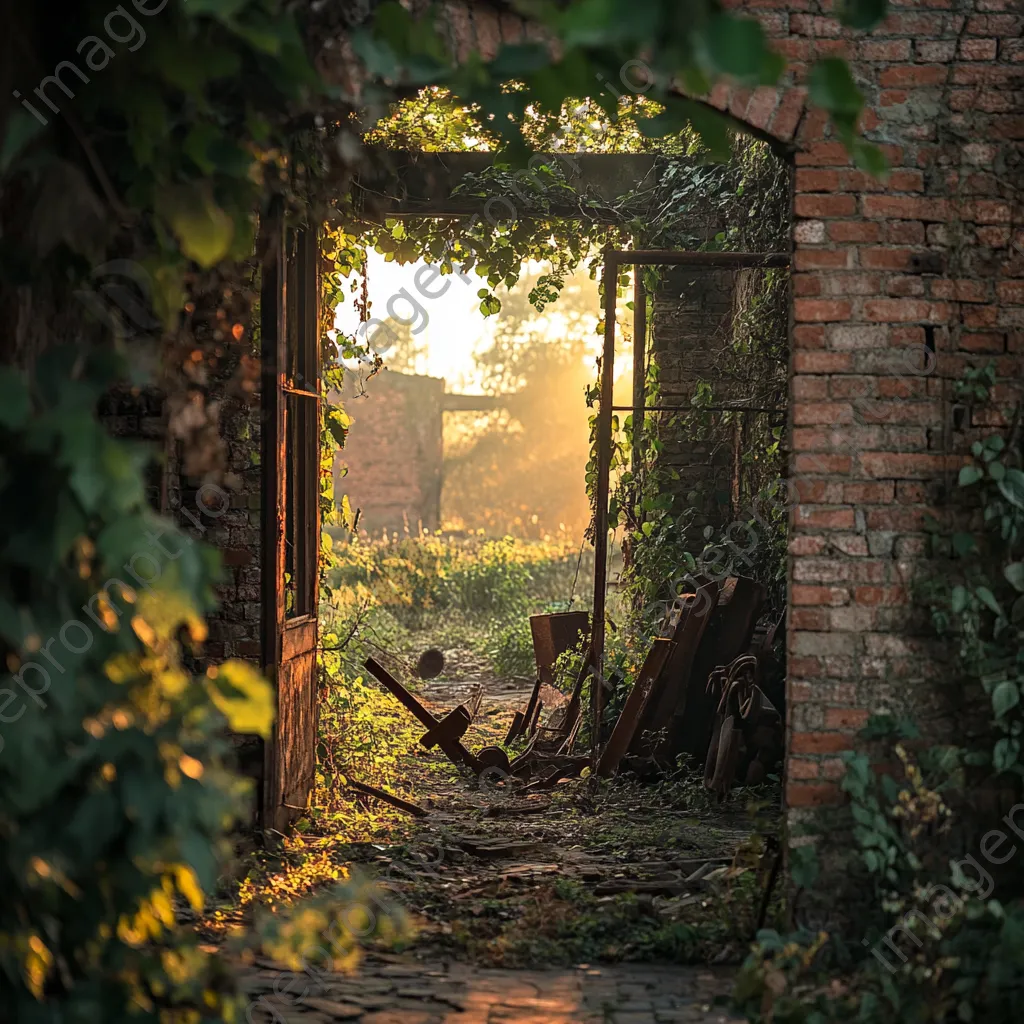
[
  {"x": 244, "y": 697},
  {"x": 15, "y": 404},
  {"x": 804, "y": 868},
  {"x": 868, "y": 157},
  {"x": 969, "y": 475},
  {"x": 1005, "y": 753},
  {"x": 204, "y": 231},
  {"x": 958, "y": 599},
  {"x": 989, "y": 600},
  {"x": 736, "y": 46},
  {"x": 1014, "y": 574},
  {"x": 22, "y": 128},
  {"x": 862, "y": 14},
  {"x": 1005, "y": 697},
  {"x": 1012, "y": 487},
  {"x": 831, "y": 86}
]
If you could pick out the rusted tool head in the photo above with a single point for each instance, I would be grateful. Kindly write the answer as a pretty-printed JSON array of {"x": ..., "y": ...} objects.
[{"x": 430, "y": 664}]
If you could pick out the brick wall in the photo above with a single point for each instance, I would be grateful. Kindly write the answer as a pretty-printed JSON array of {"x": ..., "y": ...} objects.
[
  {"x": 691, "y": 328},
  {"x": 916, "y": 274},
  {"x": 393, "y": 453}
]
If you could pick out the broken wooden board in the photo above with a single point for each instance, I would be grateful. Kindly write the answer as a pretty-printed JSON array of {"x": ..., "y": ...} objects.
[
  {"x": 452, "y": 727},
  {"x": 515, "y": 728},
  {"x": 669, "y": 692},
  {"x": 453, "y": 749},
  {"x": 629, "y": 718},
  {"x": 728, "y": 637},
  {"x": 388, "y": 798}
]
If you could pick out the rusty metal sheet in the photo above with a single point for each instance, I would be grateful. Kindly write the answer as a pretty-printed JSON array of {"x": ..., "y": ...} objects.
[{"x": 552, "y": 636}]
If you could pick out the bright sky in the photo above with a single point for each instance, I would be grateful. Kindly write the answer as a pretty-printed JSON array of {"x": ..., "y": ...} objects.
[{"x": 451, "y": 325}]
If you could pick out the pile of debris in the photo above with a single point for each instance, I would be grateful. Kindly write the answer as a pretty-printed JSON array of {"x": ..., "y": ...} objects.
[{"x": 699, "y": 692}]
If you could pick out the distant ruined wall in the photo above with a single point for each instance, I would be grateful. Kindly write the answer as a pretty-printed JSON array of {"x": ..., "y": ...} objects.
[{"x": 394, "y": 453}]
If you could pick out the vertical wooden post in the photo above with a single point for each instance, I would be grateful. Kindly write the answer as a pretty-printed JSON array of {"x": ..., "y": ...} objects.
[
  {"x": 639, "y": 362},
  {"x": 604, "y": 459}
]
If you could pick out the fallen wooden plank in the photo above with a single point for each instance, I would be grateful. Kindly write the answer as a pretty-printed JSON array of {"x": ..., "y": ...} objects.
[
  {"x": 453, "y": 749},
  {"x": 531, "y": 708},
  {"x": 629, "y": 718},
  {"x": 388, "y": 798}
]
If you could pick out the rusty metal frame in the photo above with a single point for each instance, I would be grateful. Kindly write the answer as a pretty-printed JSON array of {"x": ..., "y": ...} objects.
[{"x": 613, "y": 260}]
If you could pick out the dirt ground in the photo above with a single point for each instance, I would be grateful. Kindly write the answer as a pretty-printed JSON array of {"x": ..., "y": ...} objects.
[{"x": 546, "y": 906}]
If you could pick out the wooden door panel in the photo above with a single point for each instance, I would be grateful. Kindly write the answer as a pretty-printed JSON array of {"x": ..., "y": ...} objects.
[
  {"x": 291, "y": 530},
  {"x": 297, "y": 731}
]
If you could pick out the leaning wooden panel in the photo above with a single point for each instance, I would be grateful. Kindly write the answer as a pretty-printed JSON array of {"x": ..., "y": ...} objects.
[
  {"x": 728, "y": 638},
  {"x": 673, "y": 682},
  {"x": 629, "y": 718}
]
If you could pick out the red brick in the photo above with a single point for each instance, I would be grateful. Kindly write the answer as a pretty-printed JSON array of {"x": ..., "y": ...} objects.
[
  {"x": 822, "y": 259},
  {"x": 822, "y": 412},
  {"x": 846, "y": 718},
  {"x": 905, "y": 465},
  {"x": 909, "y": 75},
  {"x": 822, "y": 309},
  {"x": 854, "y": 231},
  {"x": 806, "y": 284},
  {"x": 822, "y": 362},
  {"x": 896, "y": 310},
  {"x": 820, "y": 463},
  {"x": 808, "y": 180},
  {"x": 808, "y": 336},
  {"x": 883, "y": 50},
  {"x": 962, "y": 291},
  {"x": 906, "y": 207},
  {"x": 825, "y": 206},
  {"x": 868, "y": 494},
  {"x": 992, "y": 343},
  {"x": 828, "y": 154},
  {"x": 826, "y": 518},
  {"x": 979, "y": 49},
  {"x": 820, "y": 742},
  {"x": 812, "y": 795},
  {"x": 816, "y": 619},
  {"x": 885, "y": 259},
  {"x": 1010, "y": 291}
]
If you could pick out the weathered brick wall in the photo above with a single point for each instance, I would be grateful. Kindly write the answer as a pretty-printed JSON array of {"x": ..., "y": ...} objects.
[
  {"x": 393, "y": 453},
  {"x": 691, "y": 329},
  {"x": 917, "y": 273}
]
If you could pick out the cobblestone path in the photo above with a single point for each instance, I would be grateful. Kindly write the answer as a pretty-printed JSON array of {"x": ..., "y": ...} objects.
[{"x": 415, "y": 993}]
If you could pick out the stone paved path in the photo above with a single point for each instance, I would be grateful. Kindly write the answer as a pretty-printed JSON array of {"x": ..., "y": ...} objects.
[{"x": 415, "y": 993}]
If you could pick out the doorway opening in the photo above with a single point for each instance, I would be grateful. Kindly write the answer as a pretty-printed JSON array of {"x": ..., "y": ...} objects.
[{"x": 516, "y": 676}]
